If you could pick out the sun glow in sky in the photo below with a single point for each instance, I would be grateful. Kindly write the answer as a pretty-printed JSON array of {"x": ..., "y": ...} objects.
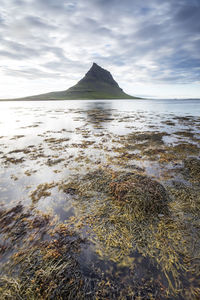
[{"x": 150, "y": 47}]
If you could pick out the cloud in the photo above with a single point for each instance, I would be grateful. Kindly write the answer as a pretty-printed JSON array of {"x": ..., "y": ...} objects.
[
  {"x": 38, "y": 23},
  {"x": 153, "y": 41},
  {"x": 30, "y": 73}
]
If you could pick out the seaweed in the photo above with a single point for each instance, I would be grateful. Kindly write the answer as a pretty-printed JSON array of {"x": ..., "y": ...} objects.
[
  {"x": 16, "y": 137},
  {"x": 185, "y": 133},
  {"x": 169, "y": 123},
  {"x": 187, "y": 199},
  {"x": 56, "y": 140},
  {"x": 129, "y": 212},
  {"x": 42, "y": 190},
  {"x": 147, "y": 196},
  {"x": 150, "y": 137},
  {"x": 40, "y": 269},
  {"x": 134, "y": 196},
  {"x": 25, "y": 151},
  {"x": 13, "y": 160},
  {"x": 191, "y": 169},
  {"x": 52, "y": 162}
]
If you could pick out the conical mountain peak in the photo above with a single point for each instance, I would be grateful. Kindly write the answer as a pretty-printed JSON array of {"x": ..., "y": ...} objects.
[
  {"x": 97, "y": 83},
  {"x": 98, "y": 74},
  {"x": 95, "y": 65}
]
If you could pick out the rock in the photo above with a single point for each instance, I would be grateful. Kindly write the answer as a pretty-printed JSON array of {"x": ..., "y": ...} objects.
[{"x": 161, "y": 215}]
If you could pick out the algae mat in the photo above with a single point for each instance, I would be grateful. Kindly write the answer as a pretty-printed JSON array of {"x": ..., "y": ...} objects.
[{"x": 99, "y": 202}]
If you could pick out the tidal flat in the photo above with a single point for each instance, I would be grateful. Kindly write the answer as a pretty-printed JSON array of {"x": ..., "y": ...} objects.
[{"x": 100, "y": 199}]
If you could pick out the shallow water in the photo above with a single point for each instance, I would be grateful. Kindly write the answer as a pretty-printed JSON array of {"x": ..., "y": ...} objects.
[{"x": 46, "y": 149}]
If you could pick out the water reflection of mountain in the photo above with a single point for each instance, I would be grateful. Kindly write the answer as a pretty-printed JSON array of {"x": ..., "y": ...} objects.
[{"x": 99, "y": 113}]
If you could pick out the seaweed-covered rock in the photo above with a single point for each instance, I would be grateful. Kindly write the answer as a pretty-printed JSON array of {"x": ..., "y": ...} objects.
[
  {"x": 150, "y": 137},
  {"x": 147, "y": 196}
]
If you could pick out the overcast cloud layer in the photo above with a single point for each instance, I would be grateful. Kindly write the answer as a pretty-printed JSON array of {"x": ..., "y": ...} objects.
[{"x": 151, "y": 47}]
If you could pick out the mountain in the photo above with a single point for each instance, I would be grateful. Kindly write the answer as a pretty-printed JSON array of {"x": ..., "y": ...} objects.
[{"x": 98, "y": 83}]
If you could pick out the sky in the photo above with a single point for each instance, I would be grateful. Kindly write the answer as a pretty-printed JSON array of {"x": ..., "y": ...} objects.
[{"x": 152, "y": 48}]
